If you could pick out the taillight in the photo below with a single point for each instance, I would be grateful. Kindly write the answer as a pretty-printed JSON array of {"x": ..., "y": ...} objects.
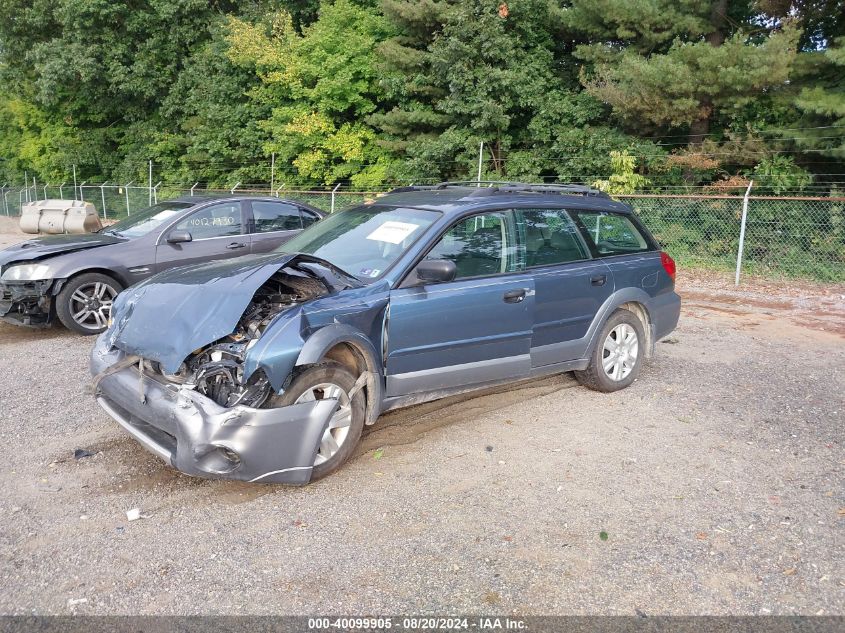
[{"x": 668, "y": 264}]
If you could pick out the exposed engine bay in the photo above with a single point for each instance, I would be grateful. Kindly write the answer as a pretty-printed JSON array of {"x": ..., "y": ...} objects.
[{"x": 216, "y": 371}]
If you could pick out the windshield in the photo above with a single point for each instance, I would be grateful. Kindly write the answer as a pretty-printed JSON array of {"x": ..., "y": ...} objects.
[
  {"x": 363, "y": 241},
  {"x": 142, "y": 222}
]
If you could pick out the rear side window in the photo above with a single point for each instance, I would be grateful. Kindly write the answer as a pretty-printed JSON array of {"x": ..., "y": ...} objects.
[
  {"x": 275, "y": 216},
  {"x": 612, "y": 234},
  {"x": 551, "y": 237}
]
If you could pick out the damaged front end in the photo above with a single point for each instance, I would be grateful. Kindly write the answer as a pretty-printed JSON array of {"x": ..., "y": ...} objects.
[
  {"x": 206, "y": 415},
  {"x": 27, "y": 303}
]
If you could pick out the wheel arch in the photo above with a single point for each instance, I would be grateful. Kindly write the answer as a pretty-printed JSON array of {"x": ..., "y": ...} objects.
[
  {"x": 59, "y": 284},
  {"x": 352, "y": 349},
  {"x": 636, "y": 301}
]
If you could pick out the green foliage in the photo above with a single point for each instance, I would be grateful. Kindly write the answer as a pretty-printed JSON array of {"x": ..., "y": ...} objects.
[
  {"x": 623, "y": 178},
  {"x": 779, "y": 174},
  {"x": 320, "y": 83},
  {"x": 370, "y": 92}
]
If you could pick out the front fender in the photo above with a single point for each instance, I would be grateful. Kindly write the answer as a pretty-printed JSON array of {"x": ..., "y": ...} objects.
[
  {"x": 327, "y": 337},
  {"x": 285, "y": 347}
]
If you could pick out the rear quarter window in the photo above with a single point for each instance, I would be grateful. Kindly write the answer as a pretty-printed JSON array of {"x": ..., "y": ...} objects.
[{"x": 612, "y": 233}]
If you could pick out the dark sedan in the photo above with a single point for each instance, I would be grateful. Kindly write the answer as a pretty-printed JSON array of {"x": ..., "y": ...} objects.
[{"x": 77, "y": 277}]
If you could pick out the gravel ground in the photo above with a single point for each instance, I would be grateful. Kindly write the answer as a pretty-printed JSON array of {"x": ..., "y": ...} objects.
[{"x": 717, "y": 479}]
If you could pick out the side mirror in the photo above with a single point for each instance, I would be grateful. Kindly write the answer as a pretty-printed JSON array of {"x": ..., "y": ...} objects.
[
  {"x": 436, "y": 270},
  {"x": 177, "y": 237}
]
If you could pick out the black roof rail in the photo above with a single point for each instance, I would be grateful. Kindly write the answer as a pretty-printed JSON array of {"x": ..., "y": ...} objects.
[{"x": 488, "y": 187}]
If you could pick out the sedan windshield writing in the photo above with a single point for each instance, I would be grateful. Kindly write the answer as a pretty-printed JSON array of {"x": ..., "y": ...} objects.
[{"x": 363, "y": 241}]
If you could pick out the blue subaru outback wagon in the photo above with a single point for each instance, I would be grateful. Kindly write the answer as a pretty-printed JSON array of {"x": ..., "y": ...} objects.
[{"x": 266, "y": 368}]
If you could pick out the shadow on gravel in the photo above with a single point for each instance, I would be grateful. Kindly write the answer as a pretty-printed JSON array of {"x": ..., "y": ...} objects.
[
  {"x": 406, "y": 426},
  {"x": 15, "y": 334}
]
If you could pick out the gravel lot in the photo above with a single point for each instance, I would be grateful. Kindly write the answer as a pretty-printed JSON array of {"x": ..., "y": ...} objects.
[{"x": 717, "y": 478}]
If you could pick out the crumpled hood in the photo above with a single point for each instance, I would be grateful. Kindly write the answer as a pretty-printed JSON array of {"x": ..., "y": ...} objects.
[
  {"x": 171, "y": 314},
  {"x": 49, "y": 245}
]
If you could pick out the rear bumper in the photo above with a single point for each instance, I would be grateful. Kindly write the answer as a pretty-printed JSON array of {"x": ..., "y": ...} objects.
[
  {"x": 199, "y": 437},
  {"x": 26, "y": 303},
  {"x": 665, "y": 310}
]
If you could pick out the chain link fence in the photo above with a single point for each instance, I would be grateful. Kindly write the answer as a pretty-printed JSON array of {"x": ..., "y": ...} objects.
[
  {"x": 784, "y": 237},
  {"x": 802, "y": 237}
]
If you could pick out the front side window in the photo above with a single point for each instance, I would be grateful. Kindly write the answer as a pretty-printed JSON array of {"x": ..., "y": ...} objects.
[
  {"x": 363, "y": 241},
  {"x": 612, "y": 233},
  {"x": 217, "y": 220},
  {"x": 551, "y": 237},
  {"x": 309, "y": 218},
  {"x": 480, "y": 245},
  {"x": 275, "y": 216}
]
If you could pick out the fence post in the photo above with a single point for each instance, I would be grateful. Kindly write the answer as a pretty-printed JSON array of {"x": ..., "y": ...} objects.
[
  {"x": 155, "y": 192},
  {"x": 81, "y": 194},
  {"x": 480, "y": 159},
  {"x": 74, "y": 182},
  {"x": 192, "y": 189},
  {"x": 103, "y": 198},
  {"x": 61, "y": 191},
  {"x": 742, "y": 232},
  {"x": 45, "y": 190},
  {"x": 333, "y": 192},
  {"x": 279, "y": 189},
  {"x": 151, "y": 183},
  {"x": 237, "y": 184},
  {"x": 6, "y": 200},
  {"x": 272, "y": 171},
  {"x": 127, "y": 197}
]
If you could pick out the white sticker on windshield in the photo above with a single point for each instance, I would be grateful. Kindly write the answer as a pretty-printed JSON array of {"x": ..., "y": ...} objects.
[{"x": 393, "y": 232}]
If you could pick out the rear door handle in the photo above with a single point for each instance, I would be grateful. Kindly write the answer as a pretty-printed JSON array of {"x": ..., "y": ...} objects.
[
  {"x": 235, "y": 245},
  {"x": 514, "y": 296},
  {"x": 598, "y": 280}
]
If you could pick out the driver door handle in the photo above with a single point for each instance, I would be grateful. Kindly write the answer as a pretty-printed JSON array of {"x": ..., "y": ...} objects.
[
  {"x": 598, "y": 280},
  {"x": 235, "y": 245},
  {"x": 514, "y": 296}
]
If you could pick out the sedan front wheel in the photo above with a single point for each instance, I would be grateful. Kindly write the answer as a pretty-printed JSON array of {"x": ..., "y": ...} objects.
[{"x": 85, "y": 302}]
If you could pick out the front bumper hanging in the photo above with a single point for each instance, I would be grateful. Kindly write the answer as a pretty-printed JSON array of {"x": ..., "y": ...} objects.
[{"x": 198, "y": 437}]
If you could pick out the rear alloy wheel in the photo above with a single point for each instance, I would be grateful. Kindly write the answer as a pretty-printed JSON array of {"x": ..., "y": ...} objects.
[
  {"x": 618, "y": 356},
  {"x": 84, "y": 304},
  {"x": 328, "y": 381}
]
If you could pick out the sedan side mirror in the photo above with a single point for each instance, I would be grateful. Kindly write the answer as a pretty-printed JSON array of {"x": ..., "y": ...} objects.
[
  {"x": 177, "y": 237},
  {"x": 436, "y": 270}
]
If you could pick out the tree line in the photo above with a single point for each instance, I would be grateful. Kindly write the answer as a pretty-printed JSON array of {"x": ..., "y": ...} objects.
[{"x": 662, "y": 93}]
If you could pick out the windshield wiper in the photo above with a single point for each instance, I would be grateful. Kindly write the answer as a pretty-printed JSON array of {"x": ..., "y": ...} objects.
[{"x": 111, "y": 232}]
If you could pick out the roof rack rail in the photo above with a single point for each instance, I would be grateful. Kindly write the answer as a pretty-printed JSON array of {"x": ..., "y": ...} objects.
[{"x": 491, "y": 187}]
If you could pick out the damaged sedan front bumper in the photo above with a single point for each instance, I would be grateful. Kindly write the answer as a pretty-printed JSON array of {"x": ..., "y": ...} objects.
[
  {"x": 197, "y": 436},
  {"x": 26, "y": 303}
]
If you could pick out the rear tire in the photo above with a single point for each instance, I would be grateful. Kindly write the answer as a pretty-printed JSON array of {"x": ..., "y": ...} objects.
[
  {"x": 84, "y": 303},
  {"x": 328, "y": 379},
  {"x": 618, "y": 354}
]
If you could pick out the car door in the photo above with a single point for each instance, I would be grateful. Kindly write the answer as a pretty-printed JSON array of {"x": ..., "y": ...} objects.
[
  {"x": 473, "y": 329},
  {"x": 273, "y": 223},
  {"x": 570, "y": 286},
  {"x": 217, "y": 231}
]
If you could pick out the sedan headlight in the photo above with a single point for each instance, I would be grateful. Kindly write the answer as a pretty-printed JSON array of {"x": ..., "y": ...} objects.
[{"x": 26, "y": 272}]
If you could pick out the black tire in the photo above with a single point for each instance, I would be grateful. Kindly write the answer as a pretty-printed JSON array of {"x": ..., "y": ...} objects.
[
  {"x": 333, "y": 373},
  {"x": 595, "y": 377},
  {"x": 68, "y": 304}
]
